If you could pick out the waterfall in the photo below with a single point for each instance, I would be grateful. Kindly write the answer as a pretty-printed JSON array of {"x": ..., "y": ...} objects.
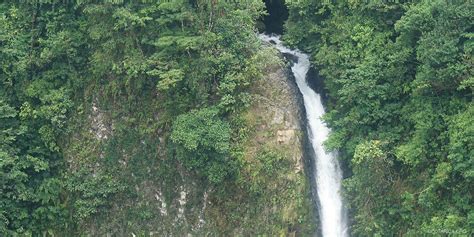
[{"x": 327, "y": 172}]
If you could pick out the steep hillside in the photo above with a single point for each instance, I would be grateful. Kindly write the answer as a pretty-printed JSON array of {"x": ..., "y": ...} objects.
[
  {"x": 141, "y": 118},
  {"x": 147, "y": 191}
]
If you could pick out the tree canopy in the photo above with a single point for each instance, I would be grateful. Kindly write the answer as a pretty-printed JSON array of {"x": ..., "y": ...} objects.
[{"x": 399, "y": 77}]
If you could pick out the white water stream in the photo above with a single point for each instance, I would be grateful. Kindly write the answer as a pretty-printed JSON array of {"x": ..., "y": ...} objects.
[{"x": 328, "y": 174}]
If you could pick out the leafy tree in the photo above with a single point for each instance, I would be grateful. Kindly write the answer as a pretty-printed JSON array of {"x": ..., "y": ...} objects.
[
  {"x": 371, "y": 190},
  {"x": 203, "y": 141},
  {"x": 29, "y": 190}
]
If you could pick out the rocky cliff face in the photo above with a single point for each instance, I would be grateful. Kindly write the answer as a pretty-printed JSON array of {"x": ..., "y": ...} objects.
[
  {"x": 154, "y": 195},
  {"x": 278, "y": 114}
]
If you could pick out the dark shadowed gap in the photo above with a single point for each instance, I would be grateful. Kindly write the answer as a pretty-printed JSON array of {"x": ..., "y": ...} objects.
[{"x": 278, "y": 14}]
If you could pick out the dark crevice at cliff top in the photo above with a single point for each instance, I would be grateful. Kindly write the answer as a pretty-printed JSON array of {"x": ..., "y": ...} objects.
[{"x": 277, "y": 15}]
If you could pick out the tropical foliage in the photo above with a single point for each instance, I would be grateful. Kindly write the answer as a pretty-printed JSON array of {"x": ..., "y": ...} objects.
[
  {"x": 108, "y": 107},
  {"x": 399, "y": 77}
]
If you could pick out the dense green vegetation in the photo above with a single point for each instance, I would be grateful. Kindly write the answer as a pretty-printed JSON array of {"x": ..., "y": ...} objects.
[
  {"x": 113, "y": 113},
  {"x": 400, "y": 79},
  {"x": 107, "y": 109}
]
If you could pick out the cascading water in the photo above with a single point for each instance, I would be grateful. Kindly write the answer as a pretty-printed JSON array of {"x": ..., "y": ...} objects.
[{"x": 328, "y": 173}]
